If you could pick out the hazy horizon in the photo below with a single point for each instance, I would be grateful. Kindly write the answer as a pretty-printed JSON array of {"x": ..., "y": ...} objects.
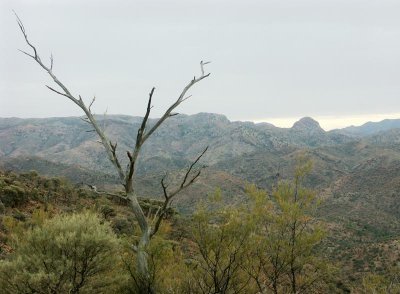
[{"x": 327, "y": 123}]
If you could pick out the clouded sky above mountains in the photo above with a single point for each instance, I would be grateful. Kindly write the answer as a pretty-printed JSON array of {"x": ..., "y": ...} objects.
[{"x": 273, "y": 60}]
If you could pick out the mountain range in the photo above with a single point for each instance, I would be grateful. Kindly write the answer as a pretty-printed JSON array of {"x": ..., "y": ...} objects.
[{"x": 356, "y": 169}]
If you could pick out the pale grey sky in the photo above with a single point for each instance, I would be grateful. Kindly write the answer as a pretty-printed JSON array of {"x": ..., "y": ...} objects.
[{"x": 271, "y": 59}]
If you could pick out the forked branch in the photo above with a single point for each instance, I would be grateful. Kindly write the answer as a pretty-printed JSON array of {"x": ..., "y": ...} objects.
[
  {"x": 143, "y": 135},
  {"x": 67, "y": 93},
  {"x": 188, "y": 179},
  {"x": 180, "y": 99}
]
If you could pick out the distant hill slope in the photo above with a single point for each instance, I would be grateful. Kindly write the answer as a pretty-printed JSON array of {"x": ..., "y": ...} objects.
[
  {"x": 252, "y": 152},
  {"x": 356, "y": 170},
  {"x": 69, "y": 140},
  {"x": 371, "y": 128}
]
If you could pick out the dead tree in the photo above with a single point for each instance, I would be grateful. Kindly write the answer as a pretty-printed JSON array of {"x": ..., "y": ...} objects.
[{"x": 148, "y": 228}]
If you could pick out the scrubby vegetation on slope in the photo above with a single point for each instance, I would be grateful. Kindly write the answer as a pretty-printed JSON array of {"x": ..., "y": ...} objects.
[{"x": 243, "y": 247}]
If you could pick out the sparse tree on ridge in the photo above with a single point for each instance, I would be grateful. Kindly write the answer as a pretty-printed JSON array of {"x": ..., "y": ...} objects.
[{"x": 148, "y": 227}]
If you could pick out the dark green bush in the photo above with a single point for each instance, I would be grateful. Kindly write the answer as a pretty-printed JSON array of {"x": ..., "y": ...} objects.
[
  {"x": 2, "y": 208},
  {"x": 18, "y": 215},
  {"x": 107, "y": 211},
  {"x": 13, "y": 195},
  {"x": 122, "y": 226}
]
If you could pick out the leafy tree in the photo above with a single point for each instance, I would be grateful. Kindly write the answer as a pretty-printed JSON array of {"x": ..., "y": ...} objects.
[
  {"x": 221, "y": 239},
  {"x": 287, "y": 236},
  {"x": 67, "y": 254}
]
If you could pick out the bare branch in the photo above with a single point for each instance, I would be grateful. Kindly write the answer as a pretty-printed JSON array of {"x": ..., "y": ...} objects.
[
  {"x": 139, "y": 142},
  {"x": 186, "y": 98},
  {"x": 192, "y": 165},
  {"x": 91, "y": 103},
  {"x": 149, "y": 212},
  {"x": 113, "y": 147},
  {"x": 169, "y": 196},
  {"x": 85, "y": 120},
  {"x": 21, "y": 26},
  {"x": 105, "y": 120},
  {"x": 114, "y": 153},
  {"x": 36, "y": 57},
  {"x": 156, "y": 215},
  {"x": 54, "y": 90},
  {"x": 164, "y": 188},
  {"x": 79, "y": 102},
  {"x": 129, "y": 155},
  {"x": 94, "y": 189},
  {"x": 51, "y": 62},
  {"x": 180, "y": 99},
  {"x": 202, "y": 64},
  {"x": 143, "y": 135},
  {"x": 26, "y": 53},
  {"x": 145, "y": 119}
]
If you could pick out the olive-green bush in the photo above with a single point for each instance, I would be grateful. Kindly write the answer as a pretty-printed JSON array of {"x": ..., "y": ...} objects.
[
  {"x": 67, "y": 254},
  {"x": 13, "y": 195}
]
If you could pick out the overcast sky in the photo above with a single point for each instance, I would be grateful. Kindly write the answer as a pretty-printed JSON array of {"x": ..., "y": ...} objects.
[{"x": 272, "y": 60}]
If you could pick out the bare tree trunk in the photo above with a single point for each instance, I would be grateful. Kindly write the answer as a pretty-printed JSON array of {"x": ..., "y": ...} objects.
[
  {"x": 142, "y": 263},
  {"x": 141, "y": 250},
  {"x": 126, "y": 177}
]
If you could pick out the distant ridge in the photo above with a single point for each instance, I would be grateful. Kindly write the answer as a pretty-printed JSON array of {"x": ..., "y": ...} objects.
[
  {"x": 371, "y": 128},
  {"x": 303, "y": 124}
]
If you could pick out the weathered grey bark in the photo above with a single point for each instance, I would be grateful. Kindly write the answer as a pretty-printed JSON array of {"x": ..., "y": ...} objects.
[{"x": 126, "y": 177}]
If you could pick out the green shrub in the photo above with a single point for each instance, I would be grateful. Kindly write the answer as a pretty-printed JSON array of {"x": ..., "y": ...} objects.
[
  {"x": 107, "y": 211},
  {"x": 2, "y": 208},
  {"x": 68, "y": 254},
  {"x": 18, "y": 215},
  {"x": 57, "y": 182},
  {"x": 12, "y": 195},
  {"x": 31, "y": 175},
  {"x": 35, "y": 194},
  {"x": 122, "y": 226}
]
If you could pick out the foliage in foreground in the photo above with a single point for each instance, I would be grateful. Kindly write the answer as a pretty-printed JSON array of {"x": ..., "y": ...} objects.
[
  {"x": 285, "y": 259},
  {"x": 67, "y": 254},
  {"x": 221, "y": 240},
  {"x": 270, "y": 244},
  {"x": 266, "y": 246},
  {"x": 168, "y": 271}
]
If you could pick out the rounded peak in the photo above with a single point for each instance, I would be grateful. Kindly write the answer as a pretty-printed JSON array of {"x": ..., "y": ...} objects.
[
  {"x": 307, "y": 123},
  {"x": 210, "y": 116}
]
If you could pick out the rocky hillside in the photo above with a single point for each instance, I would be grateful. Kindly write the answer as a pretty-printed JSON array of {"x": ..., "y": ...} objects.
[
  {"x": 70, "y": 140},
  {"x": 241, "y": 150},
  {"x": 244, "y": 151},
  {"x": 371, "y": 128},
  {"x": 356, "y": 170}
]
